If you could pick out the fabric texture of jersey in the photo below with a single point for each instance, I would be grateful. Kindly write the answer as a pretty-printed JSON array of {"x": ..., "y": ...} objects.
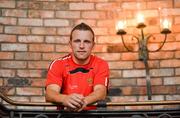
[{"x": 74, "y": 78}]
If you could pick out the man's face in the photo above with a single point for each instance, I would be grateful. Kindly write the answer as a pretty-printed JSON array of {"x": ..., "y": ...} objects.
[{"x": 81, "y": 44}]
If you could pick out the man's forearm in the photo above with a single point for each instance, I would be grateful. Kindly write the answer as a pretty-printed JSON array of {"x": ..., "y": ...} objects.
[
  {"x": 98, "y": 94},
  {"x": 53, "y": 96}
]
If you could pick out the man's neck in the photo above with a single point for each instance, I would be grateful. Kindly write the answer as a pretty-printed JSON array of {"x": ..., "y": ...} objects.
[{"x": 81, "y": 62}]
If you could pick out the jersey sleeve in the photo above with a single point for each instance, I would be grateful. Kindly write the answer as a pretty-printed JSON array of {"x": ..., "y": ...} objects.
[
  {"x": 102, "y": 74},
  {"x": 54, "y": 75}
]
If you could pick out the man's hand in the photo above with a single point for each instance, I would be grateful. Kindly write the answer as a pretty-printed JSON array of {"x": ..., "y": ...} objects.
[{"x": 73, "y": 102}]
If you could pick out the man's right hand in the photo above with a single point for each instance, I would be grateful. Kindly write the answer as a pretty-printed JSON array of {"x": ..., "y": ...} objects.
[{"x": 73, "y": 102}]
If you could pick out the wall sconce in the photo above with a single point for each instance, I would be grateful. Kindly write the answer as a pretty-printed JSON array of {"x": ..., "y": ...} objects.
[{"x": 143, "y": 41}]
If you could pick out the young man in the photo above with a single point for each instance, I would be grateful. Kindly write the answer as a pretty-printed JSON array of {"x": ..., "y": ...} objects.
[{"x": 79, "y": 78}]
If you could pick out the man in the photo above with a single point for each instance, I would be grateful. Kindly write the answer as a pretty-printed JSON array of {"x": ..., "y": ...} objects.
[{"x": 79, "y": 78}]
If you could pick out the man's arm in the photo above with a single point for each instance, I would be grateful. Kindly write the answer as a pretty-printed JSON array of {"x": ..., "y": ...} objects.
[
  {"x": 99, "y": 93},
  {"x": 73, "y": 101}
]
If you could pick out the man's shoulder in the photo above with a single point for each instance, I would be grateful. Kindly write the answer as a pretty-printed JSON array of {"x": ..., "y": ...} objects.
[
  {"x": 99, "y": 60},
  {"x": 60, "y": 61}
]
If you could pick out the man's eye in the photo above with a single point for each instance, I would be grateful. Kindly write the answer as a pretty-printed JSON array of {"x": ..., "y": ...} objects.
[
  {"x": 87, "y": 41},
  {"x": 76, "y": 41}
]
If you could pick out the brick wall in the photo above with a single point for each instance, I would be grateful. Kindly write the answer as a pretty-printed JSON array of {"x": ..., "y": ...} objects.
[{"x": 33, "y": 33}]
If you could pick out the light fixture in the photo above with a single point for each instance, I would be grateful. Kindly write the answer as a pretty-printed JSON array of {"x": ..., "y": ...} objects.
[{"x": 143, "y": 41}]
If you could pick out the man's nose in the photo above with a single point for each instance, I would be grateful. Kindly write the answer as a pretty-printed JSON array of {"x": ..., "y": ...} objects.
[{"x": 82, "y": 45}]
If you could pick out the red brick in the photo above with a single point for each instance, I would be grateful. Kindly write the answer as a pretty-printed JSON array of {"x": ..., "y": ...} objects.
[
  {"x": 30, "y": 22},
  {"x": 94, "y": 15},
  {"x": 53, "y": 5},
  {"x": 105, "y": 23},
  {"x": 7, "y": 38},
  {"x": 177, "y": 20},
  {"x": 123, "y": 99},
  {"x": 101, "y": 31},
  {"x": 109, "y": 39},
  {"x": 27, "y": 56},
  {"x": 13, "y": 64},
  {"x": 154, "y": 98},
  {"x": 170, "y": 63},
  {"x": 14, "y": 12},
  {"x": 31, "y": 39},
  {"x": 7, "y": 4},
  {"x": 10, "y": 91},
  {"x": 164, "y": 90},
  {"x": 161, "y": 72},
  {"x": 159, "y": 4},
  {"x": 64, "y": 31},
  {"x": 138, "y": 107},
  {"x": 57, "y": 39},
  {"x": 22, "y": 4},
  {"x": 176, "y": 28},
  {"x": 52, "y": 56},
  {"x": 20, "y": 98},
  {"x": 178, "y": 71},
  {"x": 151, "y": 64},
  {"x": 171, "y": 11},
  {"x": 17, "y": 30},
  {"x": 56, "y": 22},
  {"x": 40, "y": 14},
  {"x": 62, "y": 48},
  {"x": 122, "y": 82},
  {"x": 107, "y": 6},
  {"x": 14, "y": 47},
  {"x": 109, "y": 56},
  {"x": 172, "y": 97},
  {"x": 37, "y": 99},
  {"x": 129, "y": 56},
  {"x": 43, "y": 31},
  {"x": 133, "y": 5},
  {"x": 38, "y": 82},
  {"x": 178, "y": 37},
  {"x": 81, "y": 6},
  {"x": 8, "y": 21},
  {"x": 6, "y": 55},
  {"x": 28, "y": 91},
  {"x": 167, "y": 46},
  {"x": 90, "y": 22},
  {"x": 7, "y": 73},
  {"x": 100, "y": 48},
  {"x": 121, "y": 65},
  {"x": 161, "y": 55},
  {"x": 154, "y": 81},
  {"x": 134, "y": 73},
  {"x": 29, "y": 73},
  {"x": 68, "y": 14},
  {"x": 133, "y": 90},
  {"x": 38, "y": 64},
  {"x": 171, "y": 80},
  {"x": 115, "y": 73},
  {"x": 177, "y": 3},
  {"x": 41, "y": 47}
]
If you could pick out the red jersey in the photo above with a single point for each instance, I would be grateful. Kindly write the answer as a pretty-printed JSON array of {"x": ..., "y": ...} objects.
[{"x": 75, "y": 78}]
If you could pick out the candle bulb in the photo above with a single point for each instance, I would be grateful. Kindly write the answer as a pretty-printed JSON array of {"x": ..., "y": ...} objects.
[
  {"x": 120, "y": 26},
  {"x": 165, "y": 24},
  {"x": 140, "y": 18}
]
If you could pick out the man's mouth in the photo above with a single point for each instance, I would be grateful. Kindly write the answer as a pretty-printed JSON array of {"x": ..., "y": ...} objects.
[{"x": 81, "y": 52}]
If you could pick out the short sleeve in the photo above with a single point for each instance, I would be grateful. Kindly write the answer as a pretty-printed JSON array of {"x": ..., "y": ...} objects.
[
  {"x": 54, "y": 75},
  {"x": 102, "y": 74}
]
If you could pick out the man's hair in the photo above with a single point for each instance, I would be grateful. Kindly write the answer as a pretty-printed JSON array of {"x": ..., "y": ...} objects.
[{"x": 84, "y": 27}]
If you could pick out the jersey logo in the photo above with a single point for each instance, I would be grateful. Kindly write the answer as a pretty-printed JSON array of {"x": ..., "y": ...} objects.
[
  {"x": 89, "y": 80},
  {"x": 83, "y": 70}
]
